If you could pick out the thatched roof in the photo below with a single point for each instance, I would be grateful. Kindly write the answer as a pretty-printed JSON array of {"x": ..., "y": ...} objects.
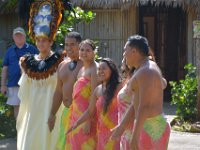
[{"x": 126, "y": 3}]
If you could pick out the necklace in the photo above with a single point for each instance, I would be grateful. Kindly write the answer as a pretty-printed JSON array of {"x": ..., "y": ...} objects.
[
  {"x": 41, "y": 69},
  {"x": 72, "y": 65},
  {"x": 41, "y": 58}
]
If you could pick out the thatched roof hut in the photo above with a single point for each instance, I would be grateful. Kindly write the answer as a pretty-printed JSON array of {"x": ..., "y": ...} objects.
[
  {"x": 126, "y": 3},
  {"x": 168, "y": 24},
  {"x": 193, "y": 12}
]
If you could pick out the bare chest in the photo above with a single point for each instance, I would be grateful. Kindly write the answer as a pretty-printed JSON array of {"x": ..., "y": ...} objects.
[{"x": 67, "y": 75}]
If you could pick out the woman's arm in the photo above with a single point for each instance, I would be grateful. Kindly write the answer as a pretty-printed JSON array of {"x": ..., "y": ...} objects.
[
  {"x": 93, "y": 78},
  {"x": 88, "y": 114}
]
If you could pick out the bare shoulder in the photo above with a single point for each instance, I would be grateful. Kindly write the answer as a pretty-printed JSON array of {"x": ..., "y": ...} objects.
[
  {"x": 79, "y": 65},
  {"x": 149, "y": 75},
  {"x": 92, "y": 71},
  {"x": 94, "y": 67},
  {"x": 62, "y": 68},
  {"x": 63, "y": 63},
  {"x": 151, "y": 69},
  {"x": 98, "y": 90}
]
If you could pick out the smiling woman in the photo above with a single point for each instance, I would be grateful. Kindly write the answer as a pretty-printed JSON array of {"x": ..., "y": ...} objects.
[
  {"x": 83, "y": 137},
  {"x": 103, "y": 104}
]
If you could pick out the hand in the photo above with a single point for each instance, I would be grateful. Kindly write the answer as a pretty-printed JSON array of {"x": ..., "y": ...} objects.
[
  {"x": 134, "y": 143},
  {"x": 116, "y": 132},
  {"x": 4, "y": 89},
  {"x": 74, "y": 126},
  {"x": 51, "y": 122},
  {"x": 86, "y": 127}
]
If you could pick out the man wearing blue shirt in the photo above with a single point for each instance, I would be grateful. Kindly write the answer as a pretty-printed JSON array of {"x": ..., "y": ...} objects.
[{"x": 11, "y": 70}]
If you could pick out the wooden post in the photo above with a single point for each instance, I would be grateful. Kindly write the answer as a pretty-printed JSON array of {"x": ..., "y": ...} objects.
[{"x": 198, "y": 68}]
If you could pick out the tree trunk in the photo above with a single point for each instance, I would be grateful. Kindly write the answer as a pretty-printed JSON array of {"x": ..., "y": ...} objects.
[{"x": 198, "y": 69}]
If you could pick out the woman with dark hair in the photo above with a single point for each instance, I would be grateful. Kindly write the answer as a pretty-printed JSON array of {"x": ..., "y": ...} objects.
[
  {"x": 83, "y": 88},
  {"x": 104, "y": 103}
]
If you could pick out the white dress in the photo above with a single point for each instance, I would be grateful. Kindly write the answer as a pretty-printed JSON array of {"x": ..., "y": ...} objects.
[{"x": 36, "y": 100}]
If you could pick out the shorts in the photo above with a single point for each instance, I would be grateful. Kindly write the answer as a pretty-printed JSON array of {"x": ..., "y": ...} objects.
[{"x": 12, "y": 95}]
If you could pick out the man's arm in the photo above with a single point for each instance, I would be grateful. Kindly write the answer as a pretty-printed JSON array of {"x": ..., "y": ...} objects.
[
  {"x": 164, "y": 82},
  {"x": 57, "y": 100},
  {"x": 4, "y": 76},
  {"x": 4, "y": 73}
]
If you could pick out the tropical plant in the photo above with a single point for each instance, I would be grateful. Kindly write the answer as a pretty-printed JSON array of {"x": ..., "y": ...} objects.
[
  {"x": 184, "y": 94},
  {"x": 7, "y": 120},
  {"x": 70, "y": 21},
  {"x": 7, "y": 6}
]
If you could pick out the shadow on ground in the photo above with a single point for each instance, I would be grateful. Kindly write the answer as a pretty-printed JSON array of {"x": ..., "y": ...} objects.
[{"x": 8, "y": 144}]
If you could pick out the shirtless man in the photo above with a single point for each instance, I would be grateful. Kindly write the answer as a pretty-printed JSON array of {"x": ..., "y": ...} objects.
[
  {"x": 67, "y": 75},
  {"x": 151, "y": 131}
]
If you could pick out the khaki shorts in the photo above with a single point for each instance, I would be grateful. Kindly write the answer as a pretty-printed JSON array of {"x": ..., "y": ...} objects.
[{"x": 12, "y": 95}]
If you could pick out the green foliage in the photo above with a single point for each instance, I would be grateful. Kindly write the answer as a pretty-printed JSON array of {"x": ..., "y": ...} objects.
[
  {"x": 97, "y": 57},
  {"x": 7, "y": 121},
  {"x": 184, "y": 94},
  {"x": 70, "y": 21},
  {"x": 8, "y": 5}
]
